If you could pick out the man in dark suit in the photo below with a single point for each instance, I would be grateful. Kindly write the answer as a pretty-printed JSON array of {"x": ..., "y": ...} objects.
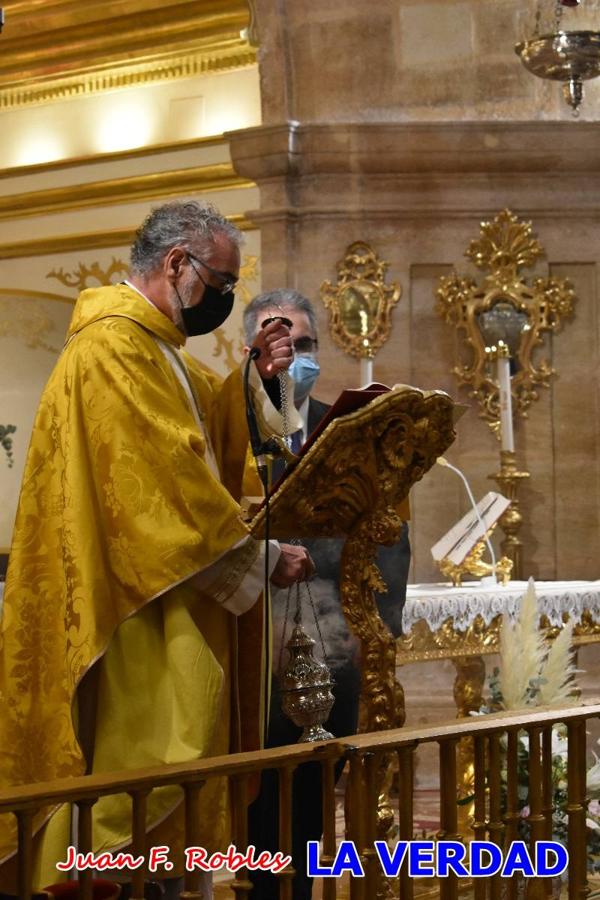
[{"x": 341, "y": 648}]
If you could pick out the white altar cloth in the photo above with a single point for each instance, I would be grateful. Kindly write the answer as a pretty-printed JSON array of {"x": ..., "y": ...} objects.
[{"x": 434, "y": 603}]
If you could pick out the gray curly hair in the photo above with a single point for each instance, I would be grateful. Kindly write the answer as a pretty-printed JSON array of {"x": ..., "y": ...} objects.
[
  {"x": 186, "y": 223},
  {"x": 283, "y": 297}
]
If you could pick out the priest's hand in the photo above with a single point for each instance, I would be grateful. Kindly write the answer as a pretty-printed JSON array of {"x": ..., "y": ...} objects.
[
  {"x": 293, "y": 565},
  {"x": 276, "y": 349}
]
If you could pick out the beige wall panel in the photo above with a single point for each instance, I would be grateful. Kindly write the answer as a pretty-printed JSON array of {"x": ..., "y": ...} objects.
[
  {"x": 105, "y": 218},
  {"x": 533, "y": 444},
  {"x": 108, "y": 166},
  {"x": 32, "y": 331},
  {"x": 171, "y": 110},
  {"x": 425, "y": 59},
  {"x": 436, "y": 501},
  {"x": 576, "y": 438}
]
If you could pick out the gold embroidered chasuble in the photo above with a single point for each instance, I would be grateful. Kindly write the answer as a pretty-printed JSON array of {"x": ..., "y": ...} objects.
[{"x": 118, "y": 510}]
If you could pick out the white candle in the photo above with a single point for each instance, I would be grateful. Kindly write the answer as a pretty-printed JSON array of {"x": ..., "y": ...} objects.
[
  {"x": 507, "y": 441},
  {"x": 366, "y": 372}
]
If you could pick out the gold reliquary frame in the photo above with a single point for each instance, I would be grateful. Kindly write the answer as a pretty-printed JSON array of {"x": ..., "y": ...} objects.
[
  {"x": 504, "y": 307},
  {"x": 360, "y": 303}
]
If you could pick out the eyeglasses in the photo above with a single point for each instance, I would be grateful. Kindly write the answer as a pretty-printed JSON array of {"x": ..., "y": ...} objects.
[
  {"x": 305, "y": 345},
  {"x": 226, "y": 281}
]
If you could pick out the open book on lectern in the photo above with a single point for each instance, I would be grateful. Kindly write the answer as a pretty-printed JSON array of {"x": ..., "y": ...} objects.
[
  {"x": 457, "y": 543},
  {"x": 363, "y": 458}
]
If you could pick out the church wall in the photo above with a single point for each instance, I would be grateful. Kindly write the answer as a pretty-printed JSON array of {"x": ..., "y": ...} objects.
[
  {"x": 411, "y": 123},
  {"x": 407, "y": 60},
  {"x": 421, "y": 224}
]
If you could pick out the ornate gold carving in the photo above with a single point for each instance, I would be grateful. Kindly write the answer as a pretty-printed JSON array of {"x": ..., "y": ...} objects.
[
  {"x": 84, "y": 276},
  {"x": 446, "y": 642},
  {"x": 468, "y": 698},
  {"x": 422, "y": 645},
  {"x": 400, "y": 434},
  {"x": 249, "y": 271},
  {"x": 225, "y": 346},
  {"x": 155, "y": 185},
  {"x": 96, "y": 240},
  {"x": 117, "y": 45},
  {"x": 171, "y": 68},
  {"x": 509, "y": 478},
  {"x": 360, "y": 304},
  {"x": 504, "y": 307},
  {"x": 474, "y": 565},
  {"x": 341, "y": 491}
]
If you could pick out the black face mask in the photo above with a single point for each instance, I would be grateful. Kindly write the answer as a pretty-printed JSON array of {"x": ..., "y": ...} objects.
[{"x": 210, "y": 313}]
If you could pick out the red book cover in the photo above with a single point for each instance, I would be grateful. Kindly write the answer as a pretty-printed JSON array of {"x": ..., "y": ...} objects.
[{"x": 349, "y": 401}]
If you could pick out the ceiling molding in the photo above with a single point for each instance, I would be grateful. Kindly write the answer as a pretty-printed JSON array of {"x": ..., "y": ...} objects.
[
  {"x": 152, "y": 186},
  {"x": 63, "y": 49},
  {"x": 72, "y": 243},
  {"x": 114, "y": 156}
]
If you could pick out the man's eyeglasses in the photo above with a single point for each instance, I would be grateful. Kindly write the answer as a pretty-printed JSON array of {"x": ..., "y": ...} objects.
[
  {"x": 305, "y": 345},
  {"x": 226, "y": 281}
]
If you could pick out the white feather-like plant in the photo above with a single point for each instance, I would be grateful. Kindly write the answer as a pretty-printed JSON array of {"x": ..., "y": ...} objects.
[
  {"x": 530, "y": 673},
  {"x": 522, "y": 652},
  {"x": 558, "y": 672}
]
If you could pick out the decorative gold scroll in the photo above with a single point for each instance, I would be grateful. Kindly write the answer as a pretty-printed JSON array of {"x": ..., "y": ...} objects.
[
  {"x": 504, "y": 307},
  {"x": 360, "y": 304},
  {"x": 90, "y": 276}
]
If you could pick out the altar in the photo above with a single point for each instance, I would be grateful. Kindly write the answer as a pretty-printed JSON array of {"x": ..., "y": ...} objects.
[{"x": 463, "y": 624}]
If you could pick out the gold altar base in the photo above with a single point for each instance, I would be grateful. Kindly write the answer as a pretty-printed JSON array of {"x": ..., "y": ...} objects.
[
  {"x": 508, "y": 480},
  {"x": 472, "y": 564}
]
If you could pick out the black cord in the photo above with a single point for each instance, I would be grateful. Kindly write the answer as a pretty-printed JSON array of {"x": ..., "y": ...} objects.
[
  {"x": 255, "y": 439},
  {"x": 267, "y": 614},
  {"x": 263, "y": 473}
]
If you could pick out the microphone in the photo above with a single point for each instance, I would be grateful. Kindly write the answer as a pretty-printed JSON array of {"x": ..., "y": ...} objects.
[
  {"x": 254, "y": 353},
  {"x": 442, "y": 461}
]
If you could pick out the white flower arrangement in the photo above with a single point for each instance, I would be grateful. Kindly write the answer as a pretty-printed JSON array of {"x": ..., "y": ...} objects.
[{"x": 533, "y": 672}]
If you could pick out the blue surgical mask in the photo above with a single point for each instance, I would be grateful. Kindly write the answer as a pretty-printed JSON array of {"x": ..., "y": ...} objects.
[{"x": 304, "y": 370}]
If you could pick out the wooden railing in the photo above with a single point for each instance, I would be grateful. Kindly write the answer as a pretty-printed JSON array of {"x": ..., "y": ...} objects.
[{"x": 496, "y": 810}]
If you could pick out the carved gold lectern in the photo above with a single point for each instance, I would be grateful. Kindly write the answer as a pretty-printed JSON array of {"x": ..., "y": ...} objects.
[{"x": 350, "y": 483}]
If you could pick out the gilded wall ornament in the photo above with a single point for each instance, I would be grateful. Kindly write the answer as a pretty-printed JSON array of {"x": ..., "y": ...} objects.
[
  {"x": 360, "y": 303},
  {"x": 504, "y": 307},
  {"x": 90, "y": 276},
  {"x": 249, "y": 271}
]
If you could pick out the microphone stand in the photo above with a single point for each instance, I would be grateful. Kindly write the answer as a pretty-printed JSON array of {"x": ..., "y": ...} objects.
[{"x": 259, "y": 449}]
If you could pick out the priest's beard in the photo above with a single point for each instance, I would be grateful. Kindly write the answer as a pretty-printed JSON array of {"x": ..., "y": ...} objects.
[{"x": 183, "y": 293}]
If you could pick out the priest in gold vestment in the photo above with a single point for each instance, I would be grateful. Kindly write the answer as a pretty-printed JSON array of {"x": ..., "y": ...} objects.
[{"x": 133, "y": 590}]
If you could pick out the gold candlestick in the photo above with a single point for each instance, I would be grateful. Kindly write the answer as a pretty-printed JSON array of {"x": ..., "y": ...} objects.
[{"x": 508, "y": 479}]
